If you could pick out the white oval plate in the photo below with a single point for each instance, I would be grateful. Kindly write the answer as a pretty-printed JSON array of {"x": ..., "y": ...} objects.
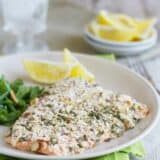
[{"x": 111, "y": 76}]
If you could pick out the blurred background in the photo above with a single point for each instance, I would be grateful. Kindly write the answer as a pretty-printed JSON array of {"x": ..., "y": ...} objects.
[{"x": 67, "y": 18}]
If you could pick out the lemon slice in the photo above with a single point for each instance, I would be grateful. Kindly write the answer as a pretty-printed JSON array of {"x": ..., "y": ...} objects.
[
  {"x": 114, "y": 20},
  {"x": 144, "y": 28},
  {"x": 115, "y": 27},
  {"x": 119, "y": 27},
  {"x": 116, "y": 35},
  {"x": 93, "y": 28},
  {"x": 68, "y": 58},
  {"x": 103, "y": 18},
  {"x": 77, "y": 70},
  {"x": 45, "y": 72},
  {"x": 125, "y": 20},
  {"x": 111, "y": 33}
]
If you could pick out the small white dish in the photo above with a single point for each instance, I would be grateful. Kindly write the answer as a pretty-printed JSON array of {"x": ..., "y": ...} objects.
[
  {"x": 120, "y": 48},
  {"x": 110, "y": 75}
]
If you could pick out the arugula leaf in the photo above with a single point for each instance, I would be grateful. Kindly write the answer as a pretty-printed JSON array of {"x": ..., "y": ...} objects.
[
  {"x": 4, "y": 88},
  {"x": 16, "y": 84},
  {"x": 35, "y": 92},
  {"x": 6, "y": 117},
  {"x": 14, "y": 99},
  {"x": 23, "y": 92},
  {"x": 3, "y": 114},
  {"x": 10, "y": 104}
]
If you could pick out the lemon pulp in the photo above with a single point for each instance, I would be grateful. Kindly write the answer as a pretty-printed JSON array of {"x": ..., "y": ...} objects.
[
  {"x": 77, "y": 70},
  {"x": 45, "y": 72}
]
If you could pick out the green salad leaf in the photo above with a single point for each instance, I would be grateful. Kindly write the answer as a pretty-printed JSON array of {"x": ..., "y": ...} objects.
[
  {"x": 4, "y": 88},
  {"x": 14, "y": 99}
]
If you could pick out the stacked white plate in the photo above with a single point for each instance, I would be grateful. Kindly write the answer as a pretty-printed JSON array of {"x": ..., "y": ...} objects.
[{"x": 120, "y": 48}]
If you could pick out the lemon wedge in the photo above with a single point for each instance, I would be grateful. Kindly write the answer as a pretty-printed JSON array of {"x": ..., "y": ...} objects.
[
  {"x": 44, "y": 72},
  {"x": 119, "y": 27},
  {"x": 121, "y": 33},
  {"x": 103, "y": 19},
  {"x": 115, "y": 27},
  {"x": 114, "y": 20},
  {"x": 144, "y": 28},
  {"x": 125, "y": 20},
  {"x": 68, "y": 58},
  {"x": 77, "y": 69}
]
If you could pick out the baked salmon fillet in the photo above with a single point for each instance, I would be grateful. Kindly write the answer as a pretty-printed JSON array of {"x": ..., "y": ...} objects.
[{"x": 74, "y": 116}]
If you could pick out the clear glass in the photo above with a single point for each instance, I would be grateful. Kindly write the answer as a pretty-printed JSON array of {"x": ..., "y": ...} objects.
[{"x": 25, "y": 19}]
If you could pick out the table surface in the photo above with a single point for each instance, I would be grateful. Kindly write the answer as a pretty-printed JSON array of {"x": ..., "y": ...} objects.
[{"x": 66, "y": 20}]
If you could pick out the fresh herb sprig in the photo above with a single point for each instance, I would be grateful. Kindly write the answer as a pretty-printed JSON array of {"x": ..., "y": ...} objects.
[{"x": 14, "y": 99}]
